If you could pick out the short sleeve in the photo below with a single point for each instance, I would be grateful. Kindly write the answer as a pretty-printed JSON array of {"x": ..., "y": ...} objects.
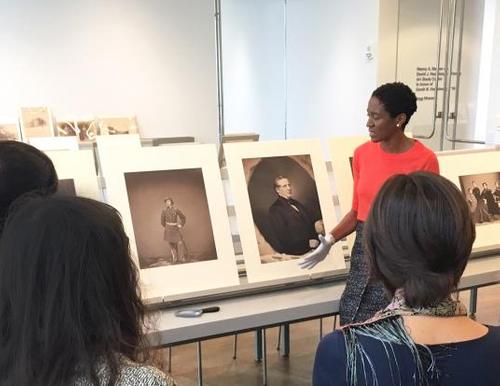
[
  {"x": 330, "y": 361},
  {"x": 432, "y": 164}
]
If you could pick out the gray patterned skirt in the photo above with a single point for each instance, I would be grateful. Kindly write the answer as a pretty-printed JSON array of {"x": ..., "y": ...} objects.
[{"x": 362, "y": 297}]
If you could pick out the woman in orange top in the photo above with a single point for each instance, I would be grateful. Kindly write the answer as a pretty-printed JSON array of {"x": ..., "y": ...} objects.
[{"x": 388, "y": 153}]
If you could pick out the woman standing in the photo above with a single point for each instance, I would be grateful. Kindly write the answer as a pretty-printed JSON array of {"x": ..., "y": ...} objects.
[{"x": 388, "y": 153}]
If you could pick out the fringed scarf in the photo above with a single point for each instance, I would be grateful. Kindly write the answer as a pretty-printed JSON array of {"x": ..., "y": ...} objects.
[{"x": 387, "y": 326}]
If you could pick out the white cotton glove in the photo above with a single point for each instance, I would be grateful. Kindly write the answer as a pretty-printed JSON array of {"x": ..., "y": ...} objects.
[{"x": 319, "y": 254}]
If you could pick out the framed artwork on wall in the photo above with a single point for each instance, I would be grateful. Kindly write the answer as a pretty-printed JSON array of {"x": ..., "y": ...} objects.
[
  {"x": 477, "y": 175},
  {"x": 10, "y": 132},
  {"x": 175, "y": 215},
  {"x": 76, "y": 172},
  {"x": 282, "y": 202},
  {"x": 36, "y": 122}
]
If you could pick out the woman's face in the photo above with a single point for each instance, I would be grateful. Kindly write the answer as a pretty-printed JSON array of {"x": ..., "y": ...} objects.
[{"x": 381, "y": 126}]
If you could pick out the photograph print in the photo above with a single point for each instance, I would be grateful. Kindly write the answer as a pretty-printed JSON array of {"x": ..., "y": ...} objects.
[
  {"x": 36, "y": 122},
  {"x": 9, "y": 132},
  {"x": 66, "y": 187},
  {"x": 117, "y": 125},
  {"x": 170, "y": 217},
  {"x": 87, "y": 129},
  {"x": 66, "y": 129},
  {"x": 285, "y": 206},
  {"x": 482, "y": 193}
]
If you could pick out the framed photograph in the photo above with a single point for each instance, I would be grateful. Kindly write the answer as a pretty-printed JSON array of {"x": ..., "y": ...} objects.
[
  {"x": 477, "y": 175},
  {"x": 117, "y": 125},
  {"x": 10, "y": 132},
  {"x": 36, "y": 122},
  {"x": 66, "y": 128},
  {"x": 282, "y": 202},
  {"x": 174, "y": 211},
  {"x": 88, "y": 129},
  {"x": 76, "y": 172},
  {"x": 341, "y": 153}
]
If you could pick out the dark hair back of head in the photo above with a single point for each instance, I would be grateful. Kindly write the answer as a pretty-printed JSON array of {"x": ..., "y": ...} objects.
[
  {"x": 68, "y": 292},
  {"x": 23, "y": 169},
  {"x": 397, "y": 98},
  {"x": 419, "y": 236}
]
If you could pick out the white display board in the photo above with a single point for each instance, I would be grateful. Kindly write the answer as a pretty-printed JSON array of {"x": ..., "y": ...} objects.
[
  {"x": 76, "y": 169},
  {"x": 471, "y": 171},
  {"x": 256, "y": 172},
  {"x": 341, "y": 153},
  {"x": 190, "y": 252}
]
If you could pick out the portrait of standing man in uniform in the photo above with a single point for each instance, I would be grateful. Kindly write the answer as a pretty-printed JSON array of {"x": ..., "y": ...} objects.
[
  {"x": 173, "y": 220},
  {"x": 285, "y": 206}
]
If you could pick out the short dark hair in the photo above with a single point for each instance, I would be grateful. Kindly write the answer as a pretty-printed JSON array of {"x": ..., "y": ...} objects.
[
  {"x": 419, "y": 236},
  {"x": 275, "y": 182},
  {"x": 168, "y": 199},
  {"x": 23, "y": 169},
  {"x": 397, "y": 98},
  {"x": 69, "y": 298}
]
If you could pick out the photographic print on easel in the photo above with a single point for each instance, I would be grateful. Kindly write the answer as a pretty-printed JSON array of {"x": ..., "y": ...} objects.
[
  {"x": 477, "y": 175},
  {"x": 174, "y": 211},
  {"x": 10, "y": 132},
  {"x": 76, "y": 172},
  {"x": 36, "y": 122},
  {"x": 341, "y": 154},
  {"x": 282, "y": 201},
  {"x": 118, "y": 125}
]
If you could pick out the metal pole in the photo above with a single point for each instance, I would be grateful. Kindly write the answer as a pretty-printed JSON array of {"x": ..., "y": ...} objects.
[
  {"x": 285, "y": 74},
  {"x": 218, "y": 62},
  {"x": 200, "y": 367},
  {"x": 435, "y": 114}
]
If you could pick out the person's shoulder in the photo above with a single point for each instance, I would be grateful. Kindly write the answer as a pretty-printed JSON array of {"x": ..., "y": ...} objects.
[
  {"x": 423, "y": 149},
  {"x": 494, "y": 334},
  {"x": 276, "y": 204},
  {"x": 132, "y": 373},
  {"x": 367, "y": 146},
  {"x": 332, "y": 344}
]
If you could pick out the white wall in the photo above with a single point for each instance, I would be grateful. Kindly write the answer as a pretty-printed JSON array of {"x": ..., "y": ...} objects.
[
  {"x": 154, "y": 59},
  {"x": 253, "y": 40},
  {"x": 328, "y": 79}
]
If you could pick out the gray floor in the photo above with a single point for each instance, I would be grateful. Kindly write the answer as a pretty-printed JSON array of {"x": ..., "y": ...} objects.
[{"x": 220, "y": 369}]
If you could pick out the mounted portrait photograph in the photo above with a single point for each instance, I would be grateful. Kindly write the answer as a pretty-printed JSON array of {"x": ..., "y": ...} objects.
[
  {"x": 87, "y": 129},
  {"x": 482, "y": 193},
  {"x": 285, "y": 206},
  {"x": 36, "y": 122},
  {"x": 66, "y": 187},
  {"x": 66, "y": 128},
  {"x": 117, "y": 125},
  {"x": 9, "y": 132},
  {"x": 170, "y": 217}
]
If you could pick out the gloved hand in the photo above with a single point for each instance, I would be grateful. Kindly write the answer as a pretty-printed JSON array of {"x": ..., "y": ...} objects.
[{"x": 319, "y": 254}]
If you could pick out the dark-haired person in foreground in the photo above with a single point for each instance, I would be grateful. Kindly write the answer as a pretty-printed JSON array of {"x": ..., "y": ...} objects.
[
  {"x": 70, "y": 309},
  {"x": 388, "y": 153},
  {"x": 23, "y": 169},
  {"x": 419, "y": 236}
]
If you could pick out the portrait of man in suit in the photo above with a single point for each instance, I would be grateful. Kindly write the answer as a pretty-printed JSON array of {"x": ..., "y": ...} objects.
[
  {"x": 285, "y": 206},
  {"x": 292, "y": 224}
]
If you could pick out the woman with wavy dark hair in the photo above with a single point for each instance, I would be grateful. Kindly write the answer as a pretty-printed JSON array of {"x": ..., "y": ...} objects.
[
  {"x": 419, "y": 236},
  {"x": 23, "y": 168},
  {"x": 70, "y": 309}
]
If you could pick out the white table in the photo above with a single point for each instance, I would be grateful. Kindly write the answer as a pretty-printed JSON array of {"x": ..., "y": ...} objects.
[{"x": 282, "y": 307}]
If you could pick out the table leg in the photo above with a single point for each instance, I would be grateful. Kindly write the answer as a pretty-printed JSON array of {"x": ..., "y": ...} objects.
[
  {"x": 200, "y": 370},
  {"x": 285, "y": 340},
  {"x": 258, "y": 345}
]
